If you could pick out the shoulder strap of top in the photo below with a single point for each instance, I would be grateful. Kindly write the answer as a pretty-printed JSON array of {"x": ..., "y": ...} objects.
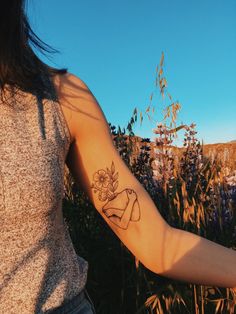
[{"x": 51, "y": 95}]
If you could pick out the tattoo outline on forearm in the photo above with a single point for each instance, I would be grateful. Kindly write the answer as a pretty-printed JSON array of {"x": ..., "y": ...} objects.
[{"x": 120, "y": 207}]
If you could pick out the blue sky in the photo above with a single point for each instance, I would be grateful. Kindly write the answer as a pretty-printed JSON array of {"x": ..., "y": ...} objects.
[{"x": 115, "y": 46}]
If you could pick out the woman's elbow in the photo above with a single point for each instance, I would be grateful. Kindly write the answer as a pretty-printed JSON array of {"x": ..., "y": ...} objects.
[{"x": 156, "y": 248}]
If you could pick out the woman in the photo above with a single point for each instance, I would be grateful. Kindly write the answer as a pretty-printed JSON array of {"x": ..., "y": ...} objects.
[{"x": 49, "y": 117}]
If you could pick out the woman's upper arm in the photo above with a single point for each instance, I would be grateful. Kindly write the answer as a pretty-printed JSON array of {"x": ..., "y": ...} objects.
[{"x": 115, "y": 192}]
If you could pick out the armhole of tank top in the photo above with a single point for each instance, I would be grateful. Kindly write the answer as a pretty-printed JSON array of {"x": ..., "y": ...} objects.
[{"x": 64, "y": 123}]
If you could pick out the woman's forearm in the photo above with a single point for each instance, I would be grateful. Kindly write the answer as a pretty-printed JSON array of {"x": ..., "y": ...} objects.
[{"x": 194, "y": 259}]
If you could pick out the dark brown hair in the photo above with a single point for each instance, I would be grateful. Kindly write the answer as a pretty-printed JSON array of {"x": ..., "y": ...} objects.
[{"x": 20, "y": 67}]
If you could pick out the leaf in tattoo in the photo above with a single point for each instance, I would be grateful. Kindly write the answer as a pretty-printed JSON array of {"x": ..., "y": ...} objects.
[{"x": 120, "y": 207}]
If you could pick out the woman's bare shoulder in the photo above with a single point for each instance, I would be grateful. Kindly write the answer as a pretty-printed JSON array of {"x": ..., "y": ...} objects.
[
  {"x": 69, "y": 88},
  {"x": 77, "y": 100},
  {"x": 70, "y": 85}
]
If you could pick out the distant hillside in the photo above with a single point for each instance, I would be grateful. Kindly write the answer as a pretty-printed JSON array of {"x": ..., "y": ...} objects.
[{"x": 226, "y": 152}]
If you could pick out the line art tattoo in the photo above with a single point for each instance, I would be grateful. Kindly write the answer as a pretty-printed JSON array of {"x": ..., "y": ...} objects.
[{"x": 120, "y": 207}]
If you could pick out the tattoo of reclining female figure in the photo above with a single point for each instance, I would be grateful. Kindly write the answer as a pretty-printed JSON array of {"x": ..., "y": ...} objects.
[{"x": 120, "y": 207}]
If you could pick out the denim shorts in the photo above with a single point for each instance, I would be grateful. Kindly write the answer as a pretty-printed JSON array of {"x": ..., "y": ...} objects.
[{"x": 80, "y": 304}]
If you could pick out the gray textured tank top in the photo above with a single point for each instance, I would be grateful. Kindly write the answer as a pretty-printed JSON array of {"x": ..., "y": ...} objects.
[{"x": 39, "y": 268}]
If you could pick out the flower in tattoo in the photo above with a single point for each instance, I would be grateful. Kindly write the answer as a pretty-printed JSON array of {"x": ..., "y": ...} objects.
[
  {"x": 105, "y": 181},
  {"x": 106, "y": 195},
  {"x": 120, "y": 208},
  {"x": 101, "y": 179},
  {"x": 103, "y": 195}
]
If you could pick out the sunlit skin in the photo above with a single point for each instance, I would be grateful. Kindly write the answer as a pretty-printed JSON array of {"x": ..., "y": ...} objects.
[
  {"x": 126, "y": 206},
  {"x": 99, "y": 170}
]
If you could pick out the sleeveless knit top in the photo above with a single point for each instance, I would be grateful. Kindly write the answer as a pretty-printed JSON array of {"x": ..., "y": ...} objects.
[{"x": 39, "y": 268}]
